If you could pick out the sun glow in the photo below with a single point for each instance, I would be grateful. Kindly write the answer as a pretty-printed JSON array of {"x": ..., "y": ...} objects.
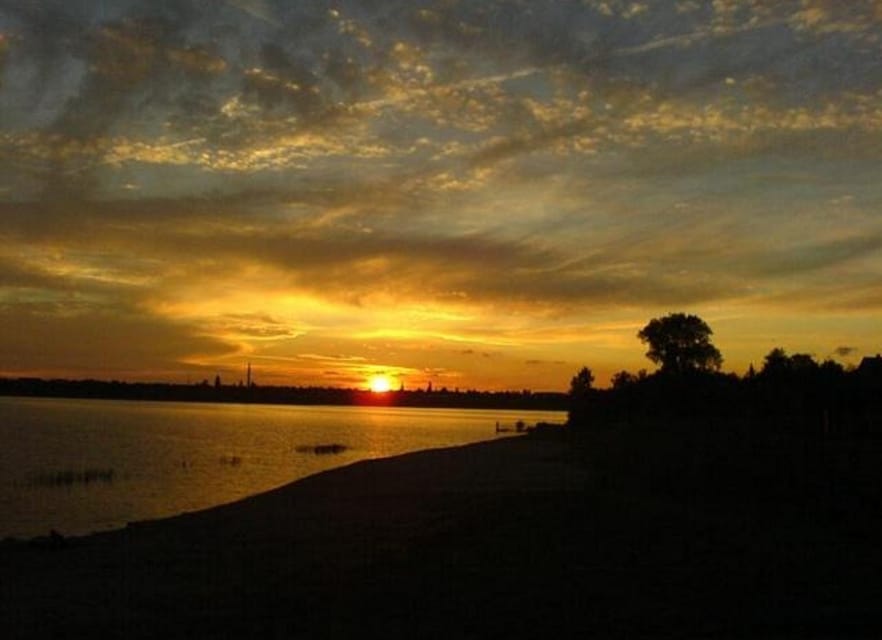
[{"x": 380, "y": 384}]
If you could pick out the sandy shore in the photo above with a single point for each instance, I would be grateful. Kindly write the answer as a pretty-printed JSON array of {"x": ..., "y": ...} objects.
[{"x": 522, "y": 537}]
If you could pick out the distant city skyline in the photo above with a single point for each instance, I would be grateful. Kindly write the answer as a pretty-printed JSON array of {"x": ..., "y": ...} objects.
[{"x": 475, "y": 194}]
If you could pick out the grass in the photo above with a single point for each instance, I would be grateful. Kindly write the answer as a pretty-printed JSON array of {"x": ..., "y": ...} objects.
[
  {"x": 322, "y": 449},
  {"x": 70, "y": 477}
]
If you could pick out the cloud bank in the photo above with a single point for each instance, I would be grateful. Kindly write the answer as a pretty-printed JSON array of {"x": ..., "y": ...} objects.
[{"x": 260, "y": 179}]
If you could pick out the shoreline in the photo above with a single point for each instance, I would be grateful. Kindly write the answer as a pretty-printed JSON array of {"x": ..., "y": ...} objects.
[
  {"x": 53, "y": 537},
  {"x": 54, "y": 573},
  {"x": 282, "y": 395},
  {"x": 127, "y": 474},
  {"x": 517, "y": 537}
]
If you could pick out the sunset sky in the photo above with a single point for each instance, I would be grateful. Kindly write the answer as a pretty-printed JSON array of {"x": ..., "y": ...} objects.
[{"x": 478, "y": 194}]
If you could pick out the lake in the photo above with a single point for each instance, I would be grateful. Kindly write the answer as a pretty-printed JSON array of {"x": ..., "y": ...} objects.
[{"x": 79, "y": 466}]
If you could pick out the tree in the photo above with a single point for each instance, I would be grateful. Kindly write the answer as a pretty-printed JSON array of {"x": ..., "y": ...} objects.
[
  {"x": 622, "y": 380},
  {"x": 625, "y": 379},
  {"x": 776, "y": 363},
  {"x": 581, "y": 383},
  {"x": 580, "y": 391},
  {"x": 681, "y": 343}
]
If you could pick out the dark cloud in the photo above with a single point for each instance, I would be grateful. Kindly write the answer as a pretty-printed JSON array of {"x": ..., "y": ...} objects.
[
  {"x": 555, "y": 157},
  {"x": 102, "y": 344},
  {"x": 632, "y": 268},
  {"x": 255, "y": 326},
  {"x": 54, "y": 285},
  {"x": 4, "y": 46},
  {"x": 517, "y": 145},
  {"x": 860, "y": 294},
  {"x": 845, "y": 352},
  {"x": 135, "y": 69},
  {"x": 283, "y": 83},
  {"x": 472, "y": 352},
  {"x": 811, "y": 257},
  {"x": 14, "y": 275}
]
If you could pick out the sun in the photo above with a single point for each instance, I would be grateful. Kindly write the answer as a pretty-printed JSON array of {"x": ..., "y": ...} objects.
[{"x": 380, "y": 384}]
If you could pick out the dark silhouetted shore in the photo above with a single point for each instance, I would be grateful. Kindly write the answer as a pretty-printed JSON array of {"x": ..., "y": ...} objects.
[
  {"x": 239, "y": 393},
  {"x": 560, "y": 534}
]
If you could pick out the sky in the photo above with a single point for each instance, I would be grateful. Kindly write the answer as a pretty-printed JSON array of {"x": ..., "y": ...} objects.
[{"x": 478, "y": 194}]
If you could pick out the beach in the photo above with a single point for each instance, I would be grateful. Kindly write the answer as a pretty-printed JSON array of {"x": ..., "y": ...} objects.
[{"x": 520, "y": 537}]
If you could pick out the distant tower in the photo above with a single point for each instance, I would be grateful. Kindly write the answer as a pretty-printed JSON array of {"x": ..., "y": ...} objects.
[{"x": 248, "y": 377}]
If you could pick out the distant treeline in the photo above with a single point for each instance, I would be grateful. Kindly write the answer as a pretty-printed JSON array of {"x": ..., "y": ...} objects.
[
  {"x": 98, "y": 389},
  {"x": 792, "y": 394}
]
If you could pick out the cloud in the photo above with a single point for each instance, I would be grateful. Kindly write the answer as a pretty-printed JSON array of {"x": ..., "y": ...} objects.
[
  {"x": 700, "y": 259},
  {"x": 253, "y": 326},
  {"x": 100, "y": 344},
  {"x": 330, "y": 358},
  {"x": 296, "y": 107},
  {"x": 259, "y": 9},
  {"x": 536, "y": 362},
  {"x": 4, "y": 46},
  {"x": 262, "y": 172},
  {"x": 792, "y": 261}
]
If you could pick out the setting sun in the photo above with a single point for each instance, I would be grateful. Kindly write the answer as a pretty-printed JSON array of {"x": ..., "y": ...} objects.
[{"x": 380, "y": 384}]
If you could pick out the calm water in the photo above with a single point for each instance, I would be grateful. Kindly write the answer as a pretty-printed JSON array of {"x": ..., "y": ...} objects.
[{"x": 88, "y": 465}]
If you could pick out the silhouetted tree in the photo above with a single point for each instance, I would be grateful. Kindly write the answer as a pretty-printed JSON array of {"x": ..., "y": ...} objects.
[
  {"x": 623, "y": 379},
  {"x": 776, "y": 363},
  {"x": 582, "y": 383},
  {"x": 581, "y": 387},
  {"x": 832, "y": 369},
  {"x": 680, "y": 343},
  {"x": 802, "y": 394},
  {"x": 803, "y": 364}
]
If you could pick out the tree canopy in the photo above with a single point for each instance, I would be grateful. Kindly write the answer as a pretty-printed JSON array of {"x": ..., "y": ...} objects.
[
  {"x": 580, "y": 392},
  {"x": 581, "y": 384},
  {"x": 681, "y": 343}
]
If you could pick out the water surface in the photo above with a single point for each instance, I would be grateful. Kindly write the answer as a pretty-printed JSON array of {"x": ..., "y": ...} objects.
[{"x": 79, "y": 466}]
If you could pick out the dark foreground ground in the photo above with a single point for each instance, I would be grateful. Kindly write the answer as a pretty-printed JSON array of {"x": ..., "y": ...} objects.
[{"x": 554, "y": 536}]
